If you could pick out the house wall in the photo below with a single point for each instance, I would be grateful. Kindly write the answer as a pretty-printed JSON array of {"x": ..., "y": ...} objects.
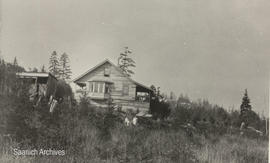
[{"x": 118, "y": 79}]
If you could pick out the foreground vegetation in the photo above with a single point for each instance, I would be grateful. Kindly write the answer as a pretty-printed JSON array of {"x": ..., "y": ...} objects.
[
  {"x": 89, "y": 135},
  {"x": 157, "y": 146}
]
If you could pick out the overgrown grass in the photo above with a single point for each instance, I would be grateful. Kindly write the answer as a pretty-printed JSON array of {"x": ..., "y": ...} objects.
[
  {"x": 234, "y": 149},
  {"x": 90, "y": 136},
  {"x": 140, "y": 145}
]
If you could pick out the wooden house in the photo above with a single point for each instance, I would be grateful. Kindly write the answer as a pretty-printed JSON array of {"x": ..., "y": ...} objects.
[{"x": 107, "y": 82}]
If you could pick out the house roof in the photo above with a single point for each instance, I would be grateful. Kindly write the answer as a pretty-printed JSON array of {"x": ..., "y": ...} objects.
[
  {"x": 119, "y": 69},
  {"x": 34, "y": 74}
]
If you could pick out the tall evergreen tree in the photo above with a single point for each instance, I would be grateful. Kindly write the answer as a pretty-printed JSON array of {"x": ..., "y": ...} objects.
[
  {"x": 15, "y": 66},
  {"x": 43, "y": 69},
  {"x": 64, "y": 69},
  {"x": 154, "y": 90},
  {"x": 125, "y": 62},
  {"x": 54, "y": 64},
  {"x": 245, "y": 108},
  {"x": 15, "y": 62}
]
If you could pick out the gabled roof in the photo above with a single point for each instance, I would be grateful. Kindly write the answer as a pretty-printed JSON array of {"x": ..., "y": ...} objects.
[{"x": 119, "y": 69}]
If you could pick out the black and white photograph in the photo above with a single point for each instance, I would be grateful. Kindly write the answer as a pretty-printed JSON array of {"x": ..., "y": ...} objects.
[{"x": 134, "y": 81}]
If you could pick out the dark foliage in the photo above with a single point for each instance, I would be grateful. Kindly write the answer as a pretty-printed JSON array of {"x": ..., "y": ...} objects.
[
  {"x": 8, "y": 76},
  {"x": 211, "y": 119},
  {"x": 245, "y": 108},
  {"x": 159, "y": 107},
  {"x": 62, "y": 90}
]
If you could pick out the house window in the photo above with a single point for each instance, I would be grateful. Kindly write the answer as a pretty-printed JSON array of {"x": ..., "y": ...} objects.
[
  {"x": 107, "y": 72},
  {"x": 125, "y": 89},
  {"x": 99, "y": 87},
  {"x": 91, "y": 86},
  {"x": 107, "y": 89},
  {"x": 95, "y": 87}
]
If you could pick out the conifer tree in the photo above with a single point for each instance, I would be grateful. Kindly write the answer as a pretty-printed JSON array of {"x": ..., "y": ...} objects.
[
  {"x": 153, "y": 89},
  {"x": 15, "y": 66},
  {"x": 125, "y": 62},
  {"x": 43, "y": 69},
  {"x": 15, "y": 62},
  {"x": 64, "y": 69},
  {"x": 54, "y": 64},
  {"x": 245, "y": 108}
]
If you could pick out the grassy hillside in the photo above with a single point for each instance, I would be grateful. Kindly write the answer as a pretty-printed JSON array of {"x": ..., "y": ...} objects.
[{"x": 87, "y": 135}]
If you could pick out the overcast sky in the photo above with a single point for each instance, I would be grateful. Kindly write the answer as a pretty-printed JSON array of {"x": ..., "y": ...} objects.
[{"x": 209, "y": 49}]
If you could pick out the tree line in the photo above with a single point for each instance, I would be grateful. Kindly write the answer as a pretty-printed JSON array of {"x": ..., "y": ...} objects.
[
  {"x": 7, "y": 75},
  {"x": 209, "y": 118},
  {"x": 59, "y": 67}
]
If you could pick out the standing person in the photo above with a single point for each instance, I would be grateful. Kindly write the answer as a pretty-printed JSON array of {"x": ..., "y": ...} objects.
[
  {"x": 242, "y": 128},
  {"x": 127, "y": 121},
  {"x": 134, "y": 120}
]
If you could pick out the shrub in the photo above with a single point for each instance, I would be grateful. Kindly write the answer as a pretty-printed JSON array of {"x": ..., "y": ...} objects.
[{"x": 159, "y": 108}]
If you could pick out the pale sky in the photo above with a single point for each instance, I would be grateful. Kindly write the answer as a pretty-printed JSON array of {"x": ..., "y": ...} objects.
[{"x": 209, "y": 49}]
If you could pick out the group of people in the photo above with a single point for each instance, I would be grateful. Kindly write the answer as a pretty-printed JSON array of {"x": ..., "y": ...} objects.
[{"x": 132, "y": 122}]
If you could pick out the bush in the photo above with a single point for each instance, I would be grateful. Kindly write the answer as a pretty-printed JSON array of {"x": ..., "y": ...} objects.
[{"x": 159, "y": 108}]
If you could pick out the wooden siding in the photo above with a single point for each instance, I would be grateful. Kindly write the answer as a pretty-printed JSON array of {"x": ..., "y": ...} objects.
[
  {"x": 117, "y": 78},
  {"x": 95, "y": 95}
]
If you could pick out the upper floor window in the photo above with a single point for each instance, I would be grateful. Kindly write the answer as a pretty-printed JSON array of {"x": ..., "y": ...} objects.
[{"x": 107, "y": 71}]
